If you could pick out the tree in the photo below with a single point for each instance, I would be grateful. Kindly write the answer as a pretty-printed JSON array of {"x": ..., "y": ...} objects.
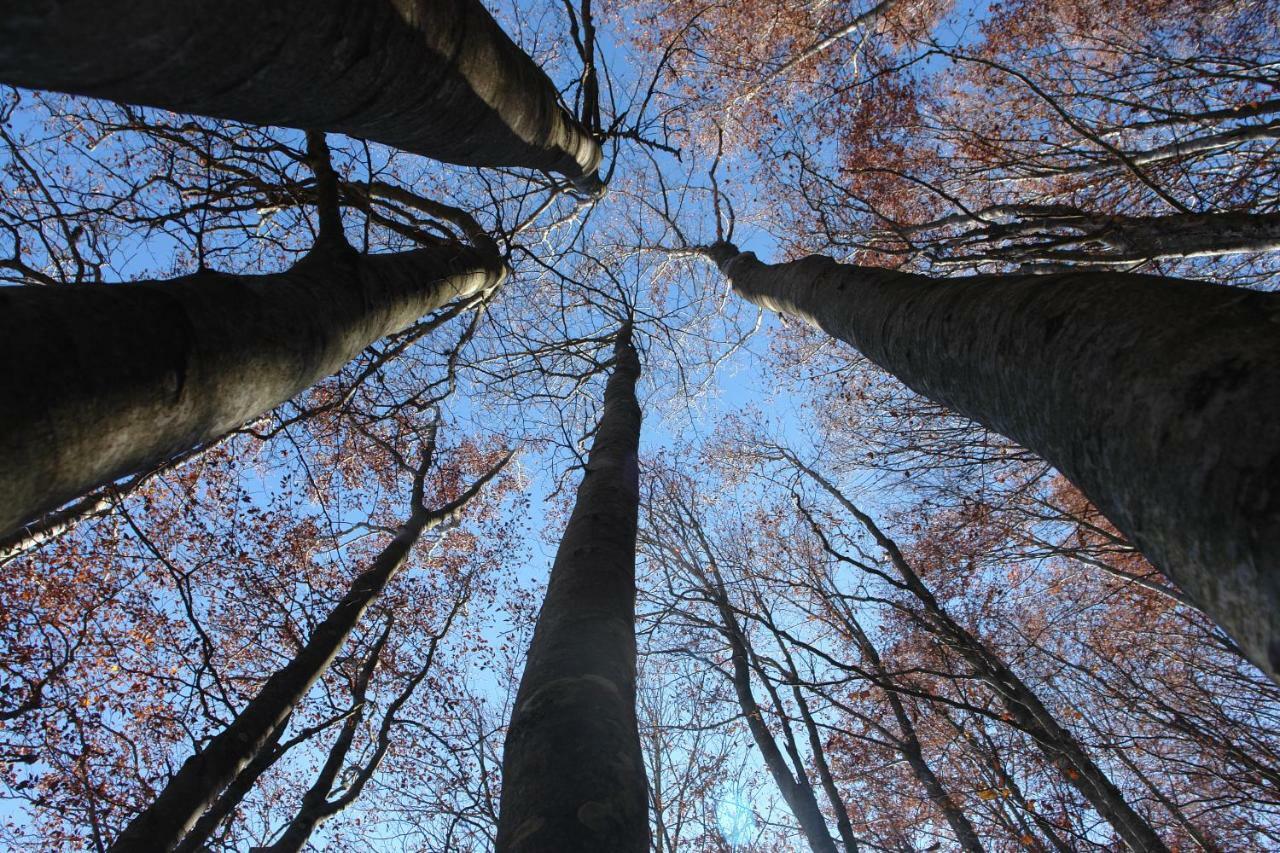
[
  {"x": 574, "y": 718},
  {"x": 1024, "y": 708},
  {"x": 439, "y": 79},
  {"x": 1161, "y": 418},
  {"x": 675, "y": 537},
  {"x": 988, "y": 664},
  {"x": 204, "y": 776},
  {"x": 101, "y": 405}
]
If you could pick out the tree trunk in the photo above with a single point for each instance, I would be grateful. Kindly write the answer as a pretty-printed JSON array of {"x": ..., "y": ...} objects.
[
  {"x": 1157, "y": 397},
  {"x": 798, "y": 793},
  {"x": 197, "y": 784},
  {"x": 573, "y": 777},
  {"x": 196, "y": 840},
  {"x": 433, "y": 77},
  {"x": 909, "y": 745},
  {"x": 1022, "y": 704},
  {"x": 102, "y": 381},
  {"x": 822, "y": 766}
]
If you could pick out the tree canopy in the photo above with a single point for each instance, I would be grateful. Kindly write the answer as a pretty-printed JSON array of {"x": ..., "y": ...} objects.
[{"x": 650, "y": 424}]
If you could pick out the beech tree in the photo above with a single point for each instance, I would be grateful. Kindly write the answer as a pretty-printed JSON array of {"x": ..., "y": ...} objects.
[
  {"x": 438, "y": 79},
  {"x": 1206, "y": 400},
  {"x": 574, "y": 717},
  {"x": 875, "y": 580}
]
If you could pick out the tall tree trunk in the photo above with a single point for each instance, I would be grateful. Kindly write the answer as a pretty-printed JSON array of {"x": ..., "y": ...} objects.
[
  {"x": 908, "y": 742},
  {"x": 573, "y": 778},
  {"x": 1158, "y": 397},
  {"x": 433, "y": 77},
  {"x": 197, "y": 784},
  {"x": 103, "y": 381}
]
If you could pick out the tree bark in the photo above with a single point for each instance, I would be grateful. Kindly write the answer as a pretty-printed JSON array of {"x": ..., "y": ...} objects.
[
  {"x": 103, "y": 381},
  {"x": 433, "y": 77},
  {"x": 231, "y": 797},
  {"x": 1157, "y": 397},
  {"x": 573, "y": 778},
  {"x": 197, "y": 784}
]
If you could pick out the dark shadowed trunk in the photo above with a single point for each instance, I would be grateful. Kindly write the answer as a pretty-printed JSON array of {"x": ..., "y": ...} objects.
[
  {"x": 197, "y": 784},
  {"x": 103, "y": 381},
  {"x": 796, "y": 790},
  {"x": 573, "y": 777},
  {"x": 433, "y": 77},
  {"x": 1159, "y": 398}
]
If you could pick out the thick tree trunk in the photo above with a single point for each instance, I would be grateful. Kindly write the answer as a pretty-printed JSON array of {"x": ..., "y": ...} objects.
[
  {"x": 1159, "y": 398},
  {"x": 103, "y": 381},
  {"x": 197, "y": 784},
  {"x": 434, "y": 77},
  {"x": 573, "y": 776}
]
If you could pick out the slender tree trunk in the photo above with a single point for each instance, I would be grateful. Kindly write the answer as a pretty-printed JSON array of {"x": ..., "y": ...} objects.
[
  {"x": 1020, "y": 701},
  {"x": 843, "y": 826},
  {"x": 1185, "y": 235},
  {"x": 197, "y": 784},
  {"x": 909, "y": 745},
  {"x": 208, "y": 823},
  {"x": 316, "y": 807},
  {"x": 103, "y": 381},
  {"x": 433, "y": 77},
  {"x": 798, "y": 793},
  {"x": 1159, "y": 398},
  {"x": 573, "y": 778},
  {"x": 1012, "y": 819}
]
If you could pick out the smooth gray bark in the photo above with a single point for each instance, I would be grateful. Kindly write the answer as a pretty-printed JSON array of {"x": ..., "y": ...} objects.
[
  {"x": 1159, "y": 398},
  {"x": 433, "y": 77},
  {"x": 573, "y": 778},
  {"x": 103, "y": 381},
  {"x": 197, "y": 784}
]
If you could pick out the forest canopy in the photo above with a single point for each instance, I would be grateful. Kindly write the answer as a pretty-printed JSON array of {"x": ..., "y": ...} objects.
[{"x": 615, "y": 425}]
